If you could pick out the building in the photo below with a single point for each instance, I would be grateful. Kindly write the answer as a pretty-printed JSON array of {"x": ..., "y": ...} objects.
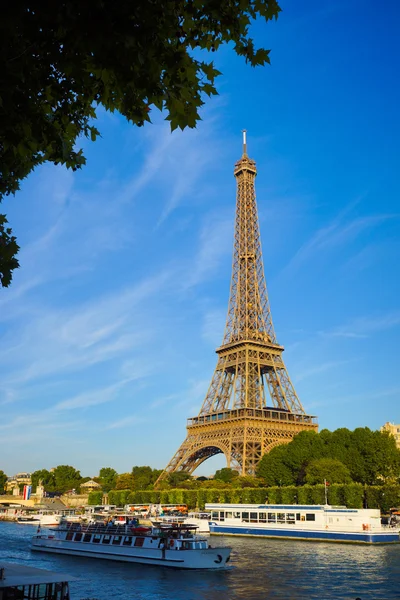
[
  {"x": 394, "y": 430},
  {"x": 18, "y": 480},
  {"x": 90, "y": 486}
]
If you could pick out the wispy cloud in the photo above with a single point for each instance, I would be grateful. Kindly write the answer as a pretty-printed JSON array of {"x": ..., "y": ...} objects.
[
  {"x": 306, "y": 372},
  {"x": 341, "y": 231},
  {"x": 91, "y": 398},
  {"x": 364, "y": 327},
  {"x": 213, "y": 326},
  {"x": 215, "y": 244},
  {"x": 125, "y": 422}
]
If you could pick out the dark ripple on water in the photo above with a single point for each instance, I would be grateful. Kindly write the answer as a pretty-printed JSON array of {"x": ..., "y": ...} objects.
[{"x": 262, "y": 569}]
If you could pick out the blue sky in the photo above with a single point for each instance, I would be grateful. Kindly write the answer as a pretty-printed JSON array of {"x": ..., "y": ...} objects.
[{"x": 108, "y": 332}]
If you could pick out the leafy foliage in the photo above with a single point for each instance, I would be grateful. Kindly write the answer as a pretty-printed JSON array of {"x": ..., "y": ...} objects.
[
  {"x": 144, "y": 477},
  {"x": 107, "y": 478},
  {"x": 3, "y": 479},
  {"x": 46, "y": 477},
  {"x": 330, "y": 469},
  {"x": 8, "y": 250},
  {"x": 365, "y": 456},
  {"x": 61, "y": 479},
  {"x": 56, "y": 70},
  {"x": 125, "y": 481},
  {"x": 66, "y": 478},
  {"x": 354, "y": 495},
  {"x": 226, "y": 474}
]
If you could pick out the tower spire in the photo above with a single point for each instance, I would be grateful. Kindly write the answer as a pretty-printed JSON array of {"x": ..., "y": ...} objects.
[
  {"x": 244, "y": 132},
  {"x": 251, "y": 405}
]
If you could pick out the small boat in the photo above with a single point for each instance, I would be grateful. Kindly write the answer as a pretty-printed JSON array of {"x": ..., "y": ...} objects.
[
  {"x": 42, "y": 519},
  {"x": 302, "y": 522},
  {"x": 200, "y": 520},
  {"x": 28, "y": 520},
  {"x": 172, "y": 545},
  {"x": 19, "y": 581}
]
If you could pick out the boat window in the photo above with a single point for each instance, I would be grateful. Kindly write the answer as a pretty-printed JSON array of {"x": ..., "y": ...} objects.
[
  {"x": 78, "y": 537},
  {"x": 106, "y": 539},
  {"x": 96, "y": 538},
  {"x": 262, "y": 517},
  {"x": 139, "y": 541},
  {"x": 228, "y": 515},
  {"x": 253, "y": 517},
  {"x": 280, "y": 517},
  {"x": 222, "y": 516},
  {"x": 297, "y": 516},
  {"x": 236, "y": 515},
  {"x": 271, "y": 517},
  {"x": 310, "y": 517},
  {"x": 116, "y": 540},
  {"x": 69, "y": 536},
  {"x": 245, "y": 517},
  {"x": 215, "y": 515},
  {"x": 290, "y": 518},
  {"x": 87, "y": 537},
  {"x": 127, "y": 541}
]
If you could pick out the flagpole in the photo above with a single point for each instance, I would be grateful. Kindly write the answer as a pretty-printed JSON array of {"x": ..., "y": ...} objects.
[{"x": 326, "y": 492}]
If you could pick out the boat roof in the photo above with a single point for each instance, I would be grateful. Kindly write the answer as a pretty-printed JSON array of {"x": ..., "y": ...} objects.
[{"x": 14, "y": 575}]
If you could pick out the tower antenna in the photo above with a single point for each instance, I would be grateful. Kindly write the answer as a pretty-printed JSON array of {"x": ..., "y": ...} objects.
[{"x": 244, "y": 131}]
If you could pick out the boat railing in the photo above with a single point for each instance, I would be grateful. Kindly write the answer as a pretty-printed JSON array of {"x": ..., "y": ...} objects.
[
  {"x": 101, "y": 528},
  {"x": 131, "y": 530}
]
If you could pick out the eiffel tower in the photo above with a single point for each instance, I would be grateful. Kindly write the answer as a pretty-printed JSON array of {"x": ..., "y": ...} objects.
[{"x": 235, "y": 418}]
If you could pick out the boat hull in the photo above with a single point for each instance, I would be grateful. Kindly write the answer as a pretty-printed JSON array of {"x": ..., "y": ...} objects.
[
  {"x": 362, "y": 537},
  {"x": 210, "y": 558}
]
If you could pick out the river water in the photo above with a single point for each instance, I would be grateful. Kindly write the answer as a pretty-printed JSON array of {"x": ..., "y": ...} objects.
[{"x": 261, "y": 569}]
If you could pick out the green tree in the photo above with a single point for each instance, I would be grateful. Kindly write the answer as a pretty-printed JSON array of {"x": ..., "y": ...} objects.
[
  {"x": 371, "y": 457},
  {"x": 330, "y": 469},
  {"x": 3, "y": 479},
  {"x": 226, "y": 474},
  {"x": 145, "y": 477},
  {"x": 46, "y": 477},
  {"x": 107, "y": 478},
  {"x": 66, "y": 478},
  {"x": 273, "y": 470},
  {"x": 125, "y": 481},
  {"x": 177, "y": 479},
  {"x": 56, "y": 71},
  {"x": 247, "y": 481}
]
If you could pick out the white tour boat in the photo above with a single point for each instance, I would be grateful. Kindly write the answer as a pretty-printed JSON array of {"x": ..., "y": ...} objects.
[
  {"x": 302, "y": 522},
  {"x": 170, "y": 545},
  {"x": 29, "y": 583}
]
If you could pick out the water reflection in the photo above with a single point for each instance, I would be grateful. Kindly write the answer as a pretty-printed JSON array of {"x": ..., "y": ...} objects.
[{"x": 262, "y": 569}]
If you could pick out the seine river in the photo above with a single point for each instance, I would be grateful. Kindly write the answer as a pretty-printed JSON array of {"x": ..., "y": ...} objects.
[{"x": 262, "y": 569}]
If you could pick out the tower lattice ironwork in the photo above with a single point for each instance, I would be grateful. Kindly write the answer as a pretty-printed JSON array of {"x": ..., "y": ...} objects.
[{"x": 235, "y": 418}]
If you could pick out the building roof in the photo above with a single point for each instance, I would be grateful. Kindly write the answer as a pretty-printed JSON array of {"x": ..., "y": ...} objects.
[{"x": 90, "y": 483}]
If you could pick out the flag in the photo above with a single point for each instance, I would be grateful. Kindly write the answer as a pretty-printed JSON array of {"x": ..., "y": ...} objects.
[{"x": 27, "y": 492}]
